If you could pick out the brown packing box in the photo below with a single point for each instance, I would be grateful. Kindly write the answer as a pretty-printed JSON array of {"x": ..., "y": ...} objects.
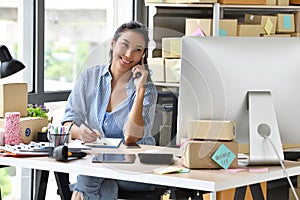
[
  {"x": 160, "y": 1},
  {"x": 173, "y": 67},
  {"x": 30, "y": 126},
  {"x": 228, "y": 27},
  {"x": 297, "y": 21},
  {"x": 13, "y": 98},
  {"x": 211, "y": 130},
  {"x": 295, "y": 34},
  {"x": 249, "y": 30},
  {"x": 297, "y": 2},
  {"x": 283, "y": 2},
  {"x": 171, "y": 47},
  {"x": 229, "y": 194},
  {"x": 271, "y": 2},
  {"x": 157, "y": 67},
  {"x": 268, "y": 27},
  {"x": 197, "y": 1},
  {"x": 285, "y": 23},
  {"x": 193, "y": 27},
  {"x": 291, "y": 194},
  {"x": 278, "y": 35},
  {"x": 198, "y": 154},
  {"x": 243, "y": 2}
]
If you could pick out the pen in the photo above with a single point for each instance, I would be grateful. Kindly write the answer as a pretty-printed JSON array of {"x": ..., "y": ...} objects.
[{"x": 91, "y": 129}]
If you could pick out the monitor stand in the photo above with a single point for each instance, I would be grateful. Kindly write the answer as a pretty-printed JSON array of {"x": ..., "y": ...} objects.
[{"x": 263, "y": 125}]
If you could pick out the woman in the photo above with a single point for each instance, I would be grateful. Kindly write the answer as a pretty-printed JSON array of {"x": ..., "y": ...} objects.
[{"x": 117, "y": 99}]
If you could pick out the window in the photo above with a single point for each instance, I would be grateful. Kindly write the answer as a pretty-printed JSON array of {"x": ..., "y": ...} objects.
[{"x": 77, "y": 35}]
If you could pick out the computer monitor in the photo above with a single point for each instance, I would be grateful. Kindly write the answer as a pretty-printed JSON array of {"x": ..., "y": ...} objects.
[{"x": 220, "y": 75}]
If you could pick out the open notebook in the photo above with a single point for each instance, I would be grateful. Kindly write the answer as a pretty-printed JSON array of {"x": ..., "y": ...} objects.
[{"x": 105, "y": 143}]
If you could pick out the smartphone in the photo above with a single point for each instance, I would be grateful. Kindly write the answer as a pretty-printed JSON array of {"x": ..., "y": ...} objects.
[{"x": 132, "y": 146}]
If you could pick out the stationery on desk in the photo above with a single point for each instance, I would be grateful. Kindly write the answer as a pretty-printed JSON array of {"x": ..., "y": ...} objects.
[{"x": 105, "y": 143}]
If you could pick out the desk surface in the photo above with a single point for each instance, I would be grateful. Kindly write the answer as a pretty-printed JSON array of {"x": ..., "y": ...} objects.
[{"x": 206, "y": 180}]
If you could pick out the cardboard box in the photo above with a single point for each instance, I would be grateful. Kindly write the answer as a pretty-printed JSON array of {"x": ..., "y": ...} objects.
[
  {"x": 283, "y": 2},
  {"x": 271, "y": 2},
  {"x": 160, "y": 1},
  {"x": 297, "y": 21},
  {"x": 244, "y": 2},
  {"x": 173, "y": 68},
  {"x": 13, "y": 98},
  {"x": 278, "y": 35},
  {"x": 268, "y": 23},
  {"x": 228, "y": 27},
  {"x": 295, "y": 34},
  {"x": 197, "y": 1},
  {"x": 285, "y": 23},
  {"x": 297, "y": 2},
  {"x": 30, "y": 126},
  {"x": 198, "y": 27},
  {"x": 291, "y": 194},
  {"x": 157, "y": 67},
  {"x": 199, "y": 154},
  {"x": 229, "y": 194},
  {"x": 211, "y": 130},
  {"x": 171, "y": 47},
  {"x": 249, "y": 30}
]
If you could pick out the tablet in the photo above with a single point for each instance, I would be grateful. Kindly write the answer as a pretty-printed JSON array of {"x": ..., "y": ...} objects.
[{"x": 113, "y": 158}]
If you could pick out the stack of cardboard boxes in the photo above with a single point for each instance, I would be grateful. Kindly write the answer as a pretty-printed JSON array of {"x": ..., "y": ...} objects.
[
  {"x": 167, "y": 68},
  {"x": 14, "y": 98}
]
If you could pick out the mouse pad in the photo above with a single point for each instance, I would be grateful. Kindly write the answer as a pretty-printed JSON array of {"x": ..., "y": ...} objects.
[{"x": 113, "y": 158}]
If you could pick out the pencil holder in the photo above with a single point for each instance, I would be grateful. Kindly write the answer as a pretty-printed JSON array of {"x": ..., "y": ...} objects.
[{"x": 57, "y": 135}]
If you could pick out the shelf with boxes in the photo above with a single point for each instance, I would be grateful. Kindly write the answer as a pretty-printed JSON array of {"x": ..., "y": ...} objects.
[{"x": 168, "y": 22}]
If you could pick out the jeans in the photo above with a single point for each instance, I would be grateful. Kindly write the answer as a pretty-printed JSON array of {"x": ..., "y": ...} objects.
[{"x": 95, "y": 188}]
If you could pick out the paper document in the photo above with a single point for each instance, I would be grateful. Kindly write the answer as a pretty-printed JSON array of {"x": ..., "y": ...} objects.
[{"x": 105, "y": 143}]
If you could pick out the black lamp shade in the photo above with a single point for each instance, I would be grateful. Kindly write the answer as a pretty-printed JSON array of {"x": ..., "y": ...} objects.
[{"x": 9, "y": 65}]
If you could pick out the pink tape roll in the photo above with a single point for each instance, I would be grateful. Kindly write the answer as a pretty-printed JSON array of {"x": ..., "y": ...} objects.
[{"x": 12, "y": 133}]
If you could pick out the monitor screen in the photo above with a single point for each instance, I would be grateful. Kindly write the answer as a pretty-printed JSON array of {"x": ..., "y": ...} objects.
[{"x": 218, "y": 72}]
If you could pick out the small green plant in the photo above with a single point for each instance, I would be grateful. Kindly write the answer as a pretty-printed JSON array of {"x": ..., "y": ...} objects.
[{"x": 33, "y": 110}]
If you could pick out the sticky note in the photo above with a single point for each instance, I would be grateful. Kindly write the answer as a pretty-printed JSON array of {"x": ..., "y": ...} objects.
[
  {"x": 268, "y": 26},
  {"x": 287, "y": 22},
  {"x": 171, "y": 169},
  {"x": 223, "y": 156},
  {"x": 222, "y": 32}
]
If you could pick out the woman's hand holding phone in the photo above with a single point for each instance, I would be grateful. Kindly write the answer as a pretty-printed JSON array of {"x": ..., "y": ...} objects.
[{"x": 140, "y": 74}]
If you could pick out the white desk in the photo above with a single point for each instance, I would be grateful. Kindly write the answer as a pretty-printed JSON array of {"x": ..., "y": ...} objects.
[{"x": 205, "y": 180}]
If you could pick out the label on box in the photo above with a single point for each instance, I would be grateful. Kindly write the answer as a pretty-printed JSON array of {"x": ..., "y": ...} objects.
[{"x": 223, "y": 156}]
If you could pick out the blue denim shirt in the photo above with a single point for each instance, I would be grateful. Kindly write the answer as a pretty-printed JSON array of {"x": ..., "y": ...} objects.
[{"x": 88, "y": 101}]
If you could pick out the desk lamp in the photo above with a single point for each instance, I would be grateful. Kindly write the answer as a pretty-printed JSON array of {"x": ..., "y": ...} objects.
[{"x": 8, "y": 65}]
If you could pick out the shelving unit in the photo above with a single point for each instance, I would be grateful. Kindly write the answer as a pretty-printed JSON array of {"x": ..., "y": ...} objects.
[{"x": 168, "y": 20}]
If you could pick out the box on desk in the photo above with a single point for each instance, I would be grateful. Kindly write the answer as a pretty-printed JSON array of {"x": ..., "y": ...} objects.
[
  {"x": 30, "y": 126},
  {"x": 202, "y": 154},
  {"x": 13, "y": 98},
  {"x": 211, "y": 130}
]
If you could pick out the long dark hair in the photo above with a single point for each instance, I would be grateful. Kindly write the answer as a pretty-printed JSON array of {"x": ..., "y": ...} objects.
[{"x": 138, "y": 28}]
